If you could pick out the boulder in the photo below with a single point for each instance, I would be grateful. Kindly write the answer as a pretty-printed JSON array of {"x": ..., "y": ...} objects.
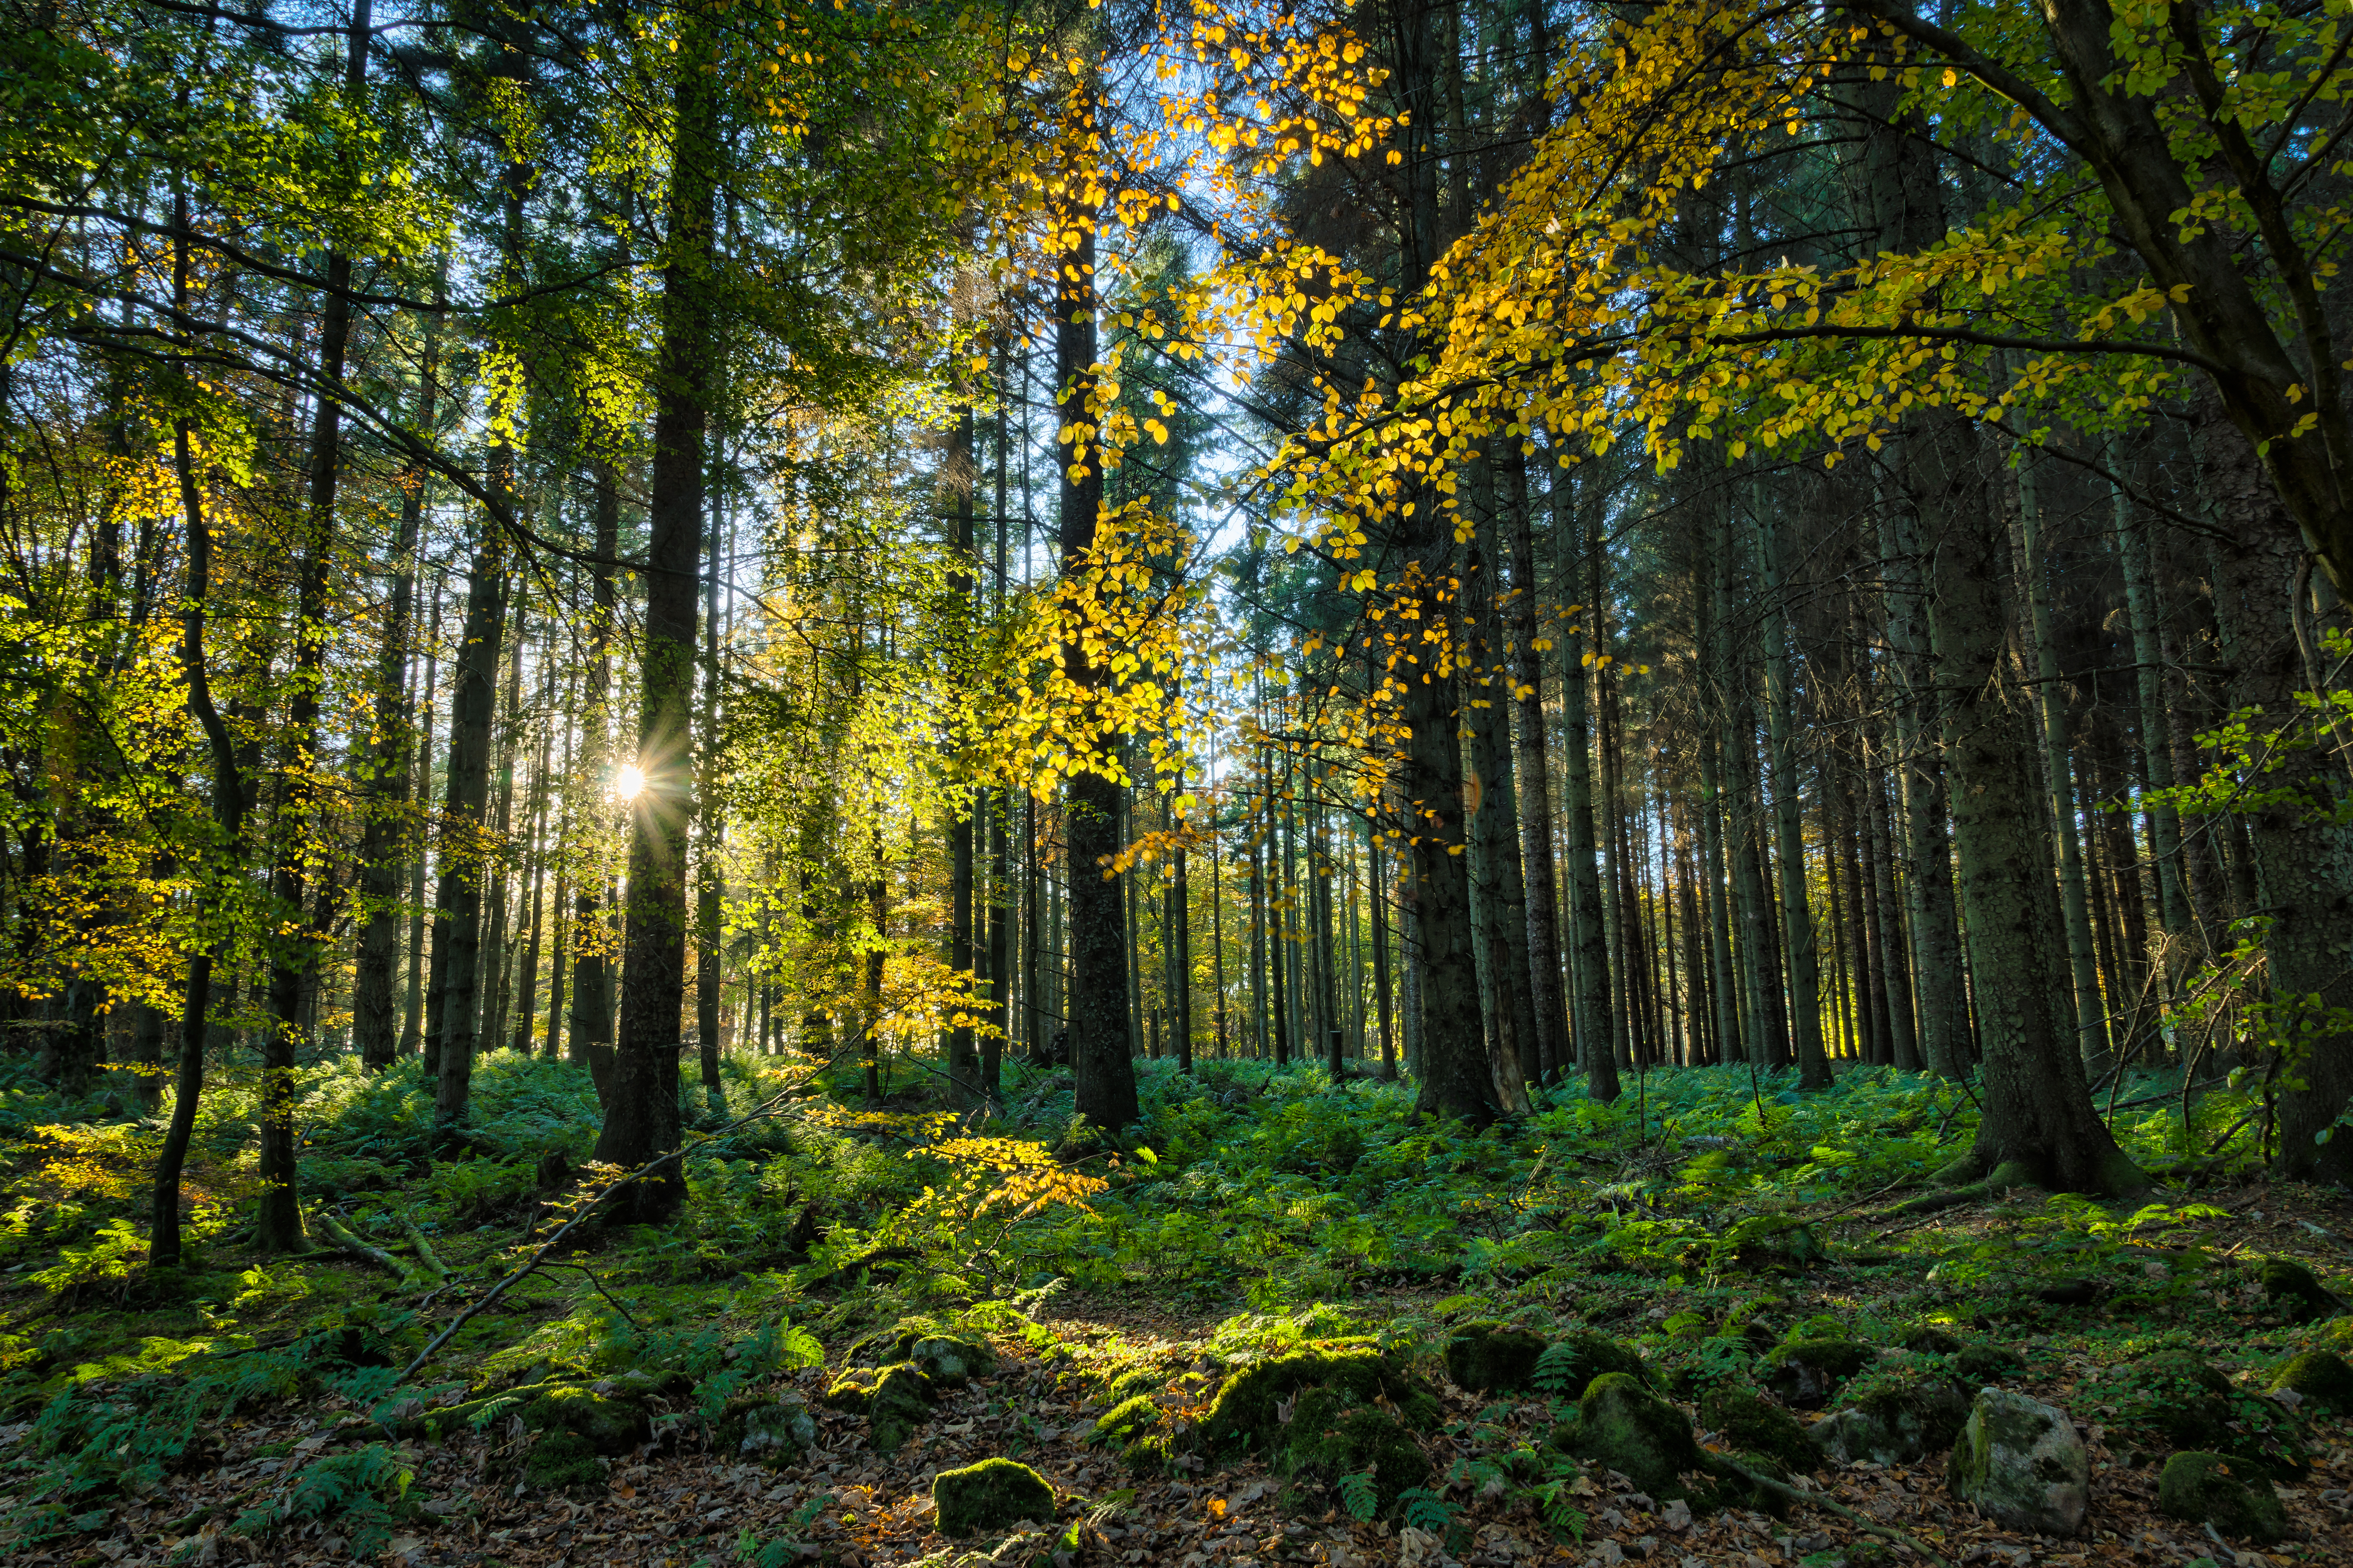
[
  {"x": 560, "y": 1460},
  {"x": 774, "y": 1430},
  {"x": 994, "y": 1494},
  {"x": 1894, "y": 1415},
  {"x": 1248, "y": 1408},
  {"x": 2021, "y": 1463},
  {"x": 1623, "y": 1425},
  {"x": 1807, "y": 1373},
  {"x": 1488, "y": 1357},
  {"x": 1929, "y": 1339},
  {"x": 608, "y": 1423},
  {"x": 1137, "y": 1429},
  {"x": 902, "y": 1401},
  {"x": 1984, "y": 1361},
  {"x": 2175, "y": 1395},
  {"x": 949, "y": 1359},
  {"x": 1330, "y": 1435},
  {"x": 2320, "y": 1376},
  {"x": 2204, "y": 1488},
  {"x": 1748, "y": 1421},
  {"x": 2292, "y": 1291}
]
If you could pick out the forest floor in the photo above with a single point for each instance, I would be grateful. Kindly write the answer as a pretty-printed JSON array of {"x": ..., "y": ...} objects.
[{"x": 251, "y": 1410}]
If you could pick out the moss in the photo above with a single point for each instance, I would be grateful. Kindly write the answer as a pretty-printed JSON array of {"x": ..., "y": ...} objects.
[
  {"x": 1750, "y": 1423},
  {"x": 1489, "y": 1357},
  {"x": 951, "y": 1359},
  {"x": 902, "y": 1401},
  {"x": 560, "y": 1460},
  {"x": 2320, "y": 1376},
  {"x": 1131, "y": 1428},
  {"x": 608, "y": 1424},
  {"x": 1985, "y": 1361},
  {"x": 1330, "y": 1436},
  {"x": 1806, "y": 1372},
  {"x": 2175, "y": 1397},
  {"x": 992, "y": 1495},
  {"x": 2291, "y": 1289},
  {"x": 853, "y": 1390},
  {"x": 770, "y": 1429},
  {"x": 1896, "y": 1416},
  {"x": 1624, "y": 1426},
  {"x": 1569, "y": 1366},
  {"x": 1929, "y": 1339},
  {"x": 2203, "y": 1488},
  {"x": 1246, "y": 1408},
  {"x": 1135, "y": 1380}
]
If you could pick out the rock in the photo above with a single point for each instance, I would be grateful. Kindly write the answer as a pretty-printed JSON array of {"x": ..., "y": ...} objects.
[
  {"x": 1331, "y": 1433},
  {"x": 2204, "y": 1490},
  {"x": 2176, "y": 1396},
  {"x": 1984, "y": 1361},
  {"x": 1135, "y": 1380},
  {"x": 606, "y": 1423},
  {"x": 1624, "y": 1426},
  {"x": 2291, "y": 1290},
  {"x": 560, "y": 1460},
  {"x": 1488, "y": 1357},
  {"x": 1928, "y": 1339},
  {"x": 2321, "y": 1376},
  {"x": 1137, "y": 1429},
  {"x": 1894, "y": 1415},
  {"x": 1247, "y": 1411},
  {"x": 1806, "y": 1372},
  {"x": 774, "y": 1430},
  {"x": 2021, "y": 1463},
  {"x": 994, "y": 1494},
  {"x": 1755, "y": 1424},
  {"x": 902, "y": 1401},
  {"x": 1570, "y": 1363},
  {"x": 949, "y": 1359}
]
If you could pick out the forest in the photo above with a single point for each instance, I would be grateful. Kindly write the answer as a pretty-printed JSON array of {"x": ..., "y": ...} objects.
[{"x": 969, "y": 783}]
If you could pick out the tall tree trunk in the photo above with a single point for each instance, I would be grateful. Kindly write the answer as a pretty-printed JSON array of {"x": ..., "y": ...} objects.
[
  {"x": 592, "y": 985},
  {"x": 1798, "y": 934},
  {"x": 641, "y": 1118},
  {"x": 1548, "y": 1058},
  {"x": 709, "y": 875},
  {"x": 1588, "y": 949},
  {"x": 1102, "y": 1047}
]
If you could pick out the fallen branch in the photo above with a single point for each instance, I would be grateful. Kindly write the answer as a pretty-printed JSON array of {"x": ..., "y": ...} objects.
[
  {"x": 1784, "y": 1489},
  {"x": 334, "y": 1231},
  {"x": 432, "y": 1265}
]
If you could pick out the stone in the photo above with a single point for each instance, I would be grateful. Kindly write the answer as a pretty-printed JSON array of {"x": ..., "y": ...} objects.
[
  {"x": 2205, "y": 1489},
  {"x": 560, "y": 1460},
  {"x": 774, "y": 1430},
  {"x": 902, "y": 1401},
  {"x": 2320, "y": 1376},
  {"x": 1929, "y": 1339},
  {"x": 2178, "y": 1397},
  {"x": 1568, "y": 1366},
  {"x": 1747, "y": 1421},
  {"x": 2291, "y": 1290},
  {"x": 1984, "y": 1361},
  {"x": 1623, "y": 1425},
  {"x": 1490, "y": 1358},
  {"x": 1807, "y": 1373},
  {"x": 1330, "y": 1435},
  {"x": 1894, "y": 1415},
  {"x": 2021, "y": 1463},
  {"x": 994, "y": 1494},
  {"x": 949, "y": 1359},
  {"x": 607, "y": 1424},
  {"x": 1248, "y": 1409},
  {"x": 1137, "y": 1429}
]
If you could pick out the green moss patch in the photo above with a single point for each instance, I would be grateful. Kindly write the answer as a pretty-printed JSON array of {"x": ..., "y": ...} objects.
[
  {"x": 1570, "y": 1363},
  {"x": 1753, "y": 1424},
  {"x": 1490, "y": 1357},
  {"x": 2205, "y": 1489},
  {"x": 1807, "y": 1373},
  {"x": 994, "y": 1494},
  {"x": 2320, "y": 1376},
  {"x": 1247, "y": 1411},
  {"x": 2291, "y": 1290},
  {"x": 1330, "y": 1435}
]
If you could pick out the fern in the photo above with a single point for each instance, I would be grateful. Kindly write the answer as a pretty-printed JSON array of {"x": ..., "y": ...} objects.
[
  {"x": 1359, "y": 1496},
  {"x": 1556, "y": 1367},
  {"x": 1425, "y": 1509},
  {"x": 359, "y": 1490}
]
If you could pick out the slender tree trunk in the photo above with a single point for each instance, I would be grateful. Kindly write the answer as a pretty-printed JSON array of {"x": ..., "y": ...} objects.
[
  {"x": 592, "y": 990},
  {"x": 641, "y": 1117},
  {"x": 1799, "y": 936},
  {"x": 1590, "y": 968}
]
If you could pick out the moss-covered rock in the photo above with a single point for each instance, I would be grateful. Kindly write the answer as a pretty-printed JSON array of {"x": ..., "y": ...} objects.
[
  {"x": 2204, "y": 1488},
  {"x": 1807, "y": 1373},
  {"x": 608, "y": 1423},
  {"x": 1984, "y": 1361},
  {"x": 1135, "y": 1380},
  {"x": 2320, "y": 1376},
  {"x": 2023, "y": 1464},
  {"x": 950, "y": 1358},
  {"x": 1137, "y": 1430},
  {"x": 2174, "y": 1397},
  {"x": 1247, "y": 1410},
  {"x": 1894, "y": 1415},
  {"x": 853, "y": 1390},
  {"x": 560, "y": 1460},
  {"x": 1623, "y": 1425},
  {"x": 902, "y": 1401},
  {"x": 771, "y": 1429},
  {"x": 1751, "y": 1423},
  {"x": 2291, "y": 1290},
  {"x": 1929, "y": 1339},
  {"x": 1330, "y": 1435},
  {"x": 994, "y": 1494},
  {"x": 1570, "y": 1363},
  {"x": 1493, "y": 1358}
]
